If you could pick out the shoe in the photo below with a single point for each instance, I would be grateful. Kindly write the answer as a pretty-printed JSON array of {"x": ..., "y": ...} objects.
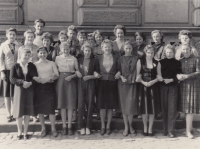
[
  {"x": 82, "y": 132},
  {"x": 98, "y": 117},
  {"x": 26, "y": 137},
  {"x": 125, "y": 133},
  {"x": 46, "y": 117},
  {"x": 133, "y": 132},
  {"x": 108, "y": 131},
  {"x": 19, "y": 137},
  {"x": 150, "y": 134},
  {"x": 58, "y": 117},
  {"x": 13, "y": 119},
  {"x": 54, "y": 133},
  {"x": 103, "y": 131},
  {"x": 165, "y": 133},
  {"x": 88, "y": 131},
  {"x": 43, "y": 133},
  {"x": 144, "y": 133},
  {"x": 70, "y": 131},
  {"x": 190, "y": 136},
  {"x": 9, "y": 119},
  {"x": 64, "y": 131},
  {"x": 170, "y": 135},
  {"x": 31, "y": 119},
  {"x": 117, "y": 115},
  {"x": 36, "y": 119}
]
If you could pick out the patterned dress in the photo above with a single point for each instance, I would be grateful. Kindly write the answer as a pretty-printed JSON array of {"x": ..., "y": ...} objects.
[{"x": 190, "y": 88}]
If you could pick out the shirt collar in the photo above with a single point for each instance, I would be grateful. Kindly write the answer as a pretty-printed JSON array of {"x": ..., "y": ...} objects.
[
  {"x": 8, "y": 42},
  {"x": 23, "y": 66}
]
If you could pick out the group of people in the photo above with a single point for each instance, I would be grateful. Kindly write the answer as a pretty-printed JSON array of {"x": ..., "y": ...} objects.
[{"x": 83, "y": 71}]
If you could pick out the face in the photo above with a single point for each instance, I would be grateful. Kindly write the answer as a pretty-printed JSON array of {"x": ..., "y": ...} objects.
[
  {"x": 186, "y": 51},
  {"x": 150, "y": 54},
  {"x": 107, "y": 48},
  {"x": 128, "y": 49},
  {"x": 81, "y": 39},
  {"x": 65, "y": 49},
  {"x": 87, "y": 52},
  {"x": 11, "y": 36},
  {"x": 25, "y": 56},
  {"x": 71, "y": 34},
  {"x": 119, "y": 34},
  {"x": 46, "y": 42},
  {"x": 98, "y": 38},
  {"x": 39, "y": 27},
  {"x": 63, "y": 38},
  {"x": 156, "y": 38},
  {"x": 42, "y": 55},
  {"x": 91, "y": 39},
  {"x": 139, "y": 40},
  {"x": 30, "y": 38},
  {"x": 185, "y": 39},
  {"x": 169, "y": 53}
]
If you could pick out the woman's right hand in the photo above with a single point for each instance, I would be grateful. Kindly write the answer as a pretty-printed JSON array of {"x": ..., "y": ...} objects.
[
  {"x": 159, "y": 78},
  {"x": 97, "y": 75},
  {"x": 26, "y": 84},
  {"x": 3, "y": 76},
  {"x": 123, "y": 79},
  {"x": 78, "y": 74},
  {"x": 68, "y": 78}
]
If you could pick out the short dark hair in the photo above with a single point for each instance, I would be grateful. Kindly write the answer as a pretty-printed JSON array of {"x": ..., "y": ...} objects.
[
  {"x": 42, "y": 49},
  {"x": 11, "y": 30},
  {"x": 39, "y": 21},
  {"x": 140, "y": 34}
]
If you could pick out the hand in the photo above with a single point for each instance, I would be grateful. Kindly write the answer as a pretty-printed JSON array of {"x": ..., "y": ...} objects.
[
  {"x": 159, "y": 78},
  {"x": 182, "y": 77},
  {"x": 37, "y": 79},
  {"x": 145, "y": 83},
  {"x": 3, "y": 76},
  {"x": 117, "y": 76},
  {"x": 45, "y": 80},
  {"x": 78, "y": 74},
  {"x": 68, "y": 78},
  {"x": 168, "y": 81},
  {"x": 123, "y": 79},
  {"x": 139, "y": 78},
  {"x": 26, "y": 84},
  {"x": 85, "y": 78},
  {"x": 150, "y": 83},
  {"x": 97, "y": 75}
]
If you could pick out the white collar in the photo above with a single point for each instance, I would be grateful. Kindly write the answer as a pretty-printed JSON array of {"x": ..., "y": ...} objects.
[{"x": 15, "y": 42}]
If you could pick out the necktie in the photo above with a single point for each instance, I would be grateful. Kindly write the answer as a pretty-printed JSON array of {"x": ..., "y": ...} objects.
[{"x": 12, "y": 47}]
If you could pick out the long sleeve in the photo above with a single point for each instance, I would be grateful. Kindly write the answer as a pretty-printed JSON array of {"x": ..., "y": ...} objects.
[
  {"x": 13, "y": 76},
  {"x": 97, "y": 69},
  {"x": 55, "y": 70},
  {"x": 2, "y": 59}
]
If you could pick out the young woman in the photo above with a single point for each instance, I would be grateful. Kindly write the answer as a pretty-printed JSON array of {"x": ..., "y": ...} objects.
[
  {"x": 39, "y": 25},
  {"x": 148, "y": 89},
  {"x": 22, "y": 74},
  {"x": 167, "y": 70},
  {"x": 107, "y": 94},
  {"x": 45, "y": 95},
  {"x": 66, "y": 87},
  {"x": 189, "y": 87},
  {"x": 98, "y": 36},
  {"x": 8, "y": 56},
  {"x": 139, "y": 48},
  {"x": 127, "y": 87},
  {"x": 86, "y": 88}
]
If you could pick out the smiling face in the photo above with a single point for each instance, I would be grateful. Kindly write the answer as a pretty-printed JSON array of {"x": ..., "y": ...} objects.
[
  {"x": 29, "y": 38},
  {"x": 39, "y": 27},
  {"x": 87, "y": 52},
  {"x": 71, "y": 34},
  {"x": 185, "y": 40},
  {"x": 65, "y": 49},
  {"x": 107, "y": 48},
  {"x": 150, "y": 53},
  {"x": 139, "y": 40},
  {"x": 11, "y": 35},
  {"x": 156, "y": 37},
  {"x": 42, "y": 55},
  {"x": 81, "y": 39},
  {"x": 25, "y": 56},
  {"x": 186, "y": 51},
  {"x": 62, "y": 38},
  {"x": 98, "y": 39},
  {"x": 46, "y": 42},
  {"x": 128, "y": 49},
  {"x": 169, "y": 53},
  {"x": 119, "y": 34}
]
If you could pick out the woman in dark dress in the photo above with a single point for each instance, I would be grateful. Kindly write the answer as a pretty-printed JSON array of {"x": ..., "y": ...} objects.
[
  {"x": 86, "y": 88},
  {"x": 107, "y": 94},
  {"x": 127, "y": 87},
  {"x": 148, "y": 89},
  {"x": 167, "y": 69},
  {"x": 45, "y": 95},
  {"x": 189, "y": 87},
  {"x": 98, "y": 36},
  {"x": 21, "y": 75}
]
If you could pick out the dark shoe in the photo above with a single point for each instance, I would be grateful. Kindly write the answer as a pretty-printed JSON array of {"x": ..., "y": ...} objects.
[
  {"x": 170, "y": 135},
  {"x": 125, "y": 133},
  {"x": 165, "y": 133},
  {"x": 31, "y": 119},
  {"x": 58, "y": 117},
  {"x": 150, "y": 134},
  {"x": 9, "y": 119},
  {"x": 144, "y": 133},
  {"x": 19, "y": 137},
  {"x": 26, "y": 137},
  {"x": 36, "y": 119},
  {"x": 103, "y": 131},
  {"x": 117, "y": 115},
  {"x": 13, "y": 119},
  {"x": 98, "y": 117},
  {"x": 108, "y": 131},
  {"x": 64, "y": 131},
  {"x": 46, "y": 117},
  {"x": 43, "y": 133},
  {"x": 70, "y": 131}
]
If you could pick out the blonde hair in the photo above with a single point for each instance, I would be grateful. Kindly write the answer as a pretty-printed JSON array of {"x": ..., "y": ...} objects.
[
  {"x": 106, "y": 41},
  {"x": 148, "y": 47},
  {"x": 127, "y": 43},
  {"x": 29, "y": 32}
]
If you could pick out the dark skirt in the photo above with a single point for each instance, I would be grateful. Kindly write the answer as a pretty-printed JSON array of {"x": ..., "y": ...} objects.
[
  {"x": 8, "y": 88},
  {"x": 45, "y": 99},
  {"x": 107, "y": 94},
  {"x": 149, "y": 99},
  {"x": 127, "y": 98},
  {"x": 66, "y": 92},
  {"x": 23, "y": 101}
]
